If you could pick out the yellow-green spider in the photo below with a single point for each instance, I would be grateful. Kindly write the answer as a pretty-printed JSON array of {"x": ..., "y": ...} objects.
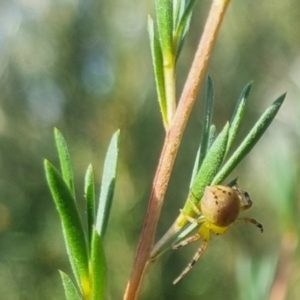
[{"x": 219, "y": 208}]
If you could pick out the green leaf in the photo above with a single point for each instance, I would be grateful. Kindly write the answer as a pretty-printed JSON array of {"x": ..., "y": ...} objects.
[
  {"x": 238, "y": 115},
  {"x": 65, "y": 160},
  {"x": 209, "y": 168},
  {"x": 212, "y": 135},
  {"x": 70, "y": 290},
  {"x": 251, "y": 139},
  {"x": 178, "y": 8},
  {"x": 108, "y": 184},
  {"x": 158, "y": 69},
  {"x": 206, "y": 130},
  {"x": 183, "y": 25},
  {"x": 164, "y": 16},
  {"x": 89, "y": 194},
  {"x": 71, "y": 224},
  {"x": 208, "y": 107},
  {"x": 195, "y": 167},
  {"x": 98, "y": 267},
  {"x": 211, "y": 138}
]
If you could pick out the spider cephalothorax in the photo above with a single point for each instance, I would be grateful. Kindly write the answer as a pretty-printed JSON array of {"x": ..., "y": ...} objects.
[{"x": 219, "y": 208}]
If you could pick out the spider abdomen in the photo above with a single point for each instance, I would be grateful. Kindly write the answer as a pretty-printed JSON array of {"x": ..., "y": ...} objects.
[{"x": 220, "y": 205}]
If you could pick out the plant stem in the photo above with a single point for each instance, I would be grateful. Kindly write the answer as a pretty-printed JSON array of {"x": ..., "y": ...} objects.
[
  {"x": 169, "y": 74},
  {"x": 171, "y": 144}
]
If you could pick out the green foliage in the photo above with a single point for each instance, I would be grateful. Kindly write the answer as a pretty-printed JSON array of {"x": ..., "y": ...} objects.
[
  {"x": 89, "y": 71},
  {"x": 164, "y": 16},
  {"x": 70, "y": 289},
  {"x": 250, "y": 140},
  {"x": 71, "y": 224},
  {"x": 211, "y": 172},
  {"x": 212, "y": 167},
  {"x": 211, "y": 164},
  {"x": 108, "y": 184},
  {"x": 208, "y": 109},
  {"x": 166, "y": 41},
  {"x": 85, "y": 251},
  {"x": 98, "y": 266},
  {"x": 237, "y": 116},
  {"x": 90, "y": 197},
  {"x": 158, "y": 68},
  {"x": 184, "y": 16},
  {"x": 65, "y": 160}
]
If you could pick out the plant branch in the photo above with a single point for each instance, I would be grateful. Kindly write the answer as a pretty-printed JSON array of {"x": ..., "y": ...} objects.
[{"x": 172, "y": 142}]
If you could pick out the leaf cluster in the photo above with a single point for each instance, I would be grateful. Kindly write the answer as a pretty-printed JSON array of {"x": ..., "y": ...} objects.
[{"x": 84, "y": 247}]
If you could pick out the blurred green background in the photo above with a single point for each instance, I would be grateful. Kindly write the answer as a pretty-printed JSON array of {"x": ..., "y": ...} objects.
[{"x": 85, "y": 67}]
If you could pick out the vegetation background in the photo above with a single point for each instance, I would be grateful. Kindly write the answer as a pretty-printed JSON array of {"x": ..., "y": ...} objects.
[{"x": 85, "y": 67}]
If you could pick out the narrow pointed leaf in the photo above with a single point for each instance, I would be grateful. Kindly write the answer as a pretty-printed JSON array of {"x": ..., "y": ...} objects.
[
  {"x": 65, "y": 160},
  {"x": 207, "y": 134},
  {"x": 70, "y": 290},
  {"x": 208, "y": 107},
  {"x": 211, "y": 138},
  {"x": 195, "y": 167},
  {"x": 251, "y": 139},
  {"x": 178, "y": 8},
  {"x": 158, "y": 69},
  {"x": 71, "y": 224},
  {"x": 238, "y": 115},
  {"x": 185, "y": 19},
  {"x": 108, "y": 184},
  {"x": 98, "y": 267},
  {"x": 212, "y": 162},
  {"x": 209, "y": 168},
  {"x": 183, "y": 25},
  {"x": 89, "y": 193},
  {"x": 212, "y": 135},
  {"x": 164, "y": 16}
]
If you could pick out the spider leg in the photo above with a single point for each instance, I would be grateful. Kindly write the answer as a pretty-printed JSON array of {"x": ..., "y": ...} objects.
[
  {"x": 191, "y": 219},
  {"x": 194, "y": 206},
  {"x": 192, "y": 238},
  {"x": 252, "y": 221},
  {"x": 205, "y": 233},
  {"x": 186, "y": 241}
]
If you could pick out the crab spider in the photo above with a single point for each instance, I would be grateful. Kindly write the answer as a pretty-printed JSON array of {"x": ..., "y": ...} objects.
[{"x": 219, "y": 208}]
